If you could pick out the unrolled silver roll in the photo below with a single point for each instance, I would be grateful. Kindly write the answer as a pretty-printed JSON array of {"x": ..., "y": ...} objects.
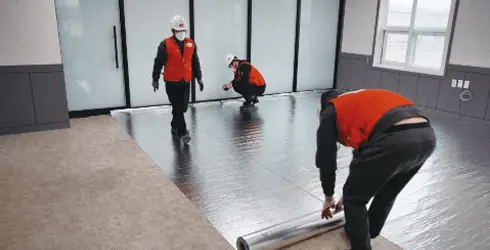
[{"x": 290, "y": 232}]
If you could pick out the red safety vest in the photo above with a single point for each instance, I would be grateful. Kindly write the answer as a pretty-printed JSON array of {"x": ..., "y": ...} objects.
[
  {"x": 178, "y": 67},
  {"x": 255, "y": 77},
  {"x": 359, "y": 111}
]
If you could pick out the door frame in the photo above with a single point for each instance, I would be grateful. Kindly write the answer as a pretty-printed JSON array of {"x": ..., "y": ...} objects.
[{"x": 122, "y": 22}]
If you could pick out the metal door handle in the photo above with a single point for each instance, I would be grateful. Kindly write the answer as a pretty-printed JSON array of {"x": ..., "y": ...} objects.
[{"x": 115, "y": 46}]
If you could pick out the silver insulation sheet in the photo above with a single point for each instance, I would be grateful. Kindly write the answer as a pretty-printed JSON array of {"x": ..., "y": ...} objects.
[{"x": 290, "y": 232}]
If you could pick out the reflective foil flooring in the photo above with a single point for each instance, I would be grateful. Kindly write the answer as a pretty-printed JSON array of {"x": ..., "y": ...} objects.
[{"x": 246, "y": 170}]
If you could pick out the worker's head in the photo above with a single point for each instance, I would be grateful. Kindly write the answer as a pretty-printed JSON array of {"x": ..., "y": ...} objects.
[
  {"x": 232, "y": 62},
  {"x": 179, "y": 27},
  {"x": 326, "y": 98}
]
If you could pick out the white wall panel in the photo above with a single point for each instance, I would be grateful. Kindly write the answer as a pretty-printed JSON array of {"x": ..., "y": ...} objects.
[
  {"x": 147, "y": 24},
  {"x": 221, "y": 28},
  {"x": 273, "y": 36},
  {"x": 318, "y": 42},
  {"x": 28, "y": 33}
]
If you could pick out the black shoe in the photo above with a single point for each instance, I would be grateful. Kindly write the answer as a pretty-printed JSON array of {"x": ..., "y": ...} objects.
[{"x": 255, "y": 99}]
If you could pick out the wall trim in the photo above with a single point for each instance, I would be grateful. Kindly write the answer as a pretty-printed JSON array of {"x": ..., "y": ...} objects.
[
  {"x": 34, "y": 128},
  {"x": 469, "y": 69},
  {"x": 122, "y": 23},
  {"x": 192, "y": 33},
  {"x": 30, "y": 68},
  {"x": 93, "y": 112},
  {"x": 340, "y": 36},
  {"x": 296, "y": 46}
]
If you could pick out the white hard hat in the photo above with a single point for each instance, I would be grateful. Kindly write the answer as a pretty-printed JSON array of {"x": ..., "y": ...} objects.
[
  {"x": 178, "y": 23},
  {"x": 229, "y": 59}
]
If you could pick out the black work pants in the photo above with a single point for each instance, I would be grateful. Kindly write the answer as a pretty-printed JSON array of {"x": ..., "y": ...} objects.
[
  {"x": 381, "y": 168},
  {"x": 249, "y": 90},
  {"x": 178, "y": 94}
]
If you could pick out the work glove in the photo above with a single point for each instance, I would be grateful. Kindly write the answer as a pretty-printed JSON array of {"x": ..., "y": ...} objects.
[
  {"x": 155, "y": 86},
  {"x": 201, "y": 85},
  {"x": 327, "y": 205}
]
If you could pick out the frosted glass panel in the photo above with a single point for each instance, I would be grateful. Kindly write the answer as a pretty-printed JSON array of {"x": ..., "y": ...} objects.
[
  {"x": 216, "y": 35},
  {"x": 147, "y": 24},
  {"x": 273, "y": 35},
  {"x": 86, "y": 30},
  {"x": 317, "y": 44}
]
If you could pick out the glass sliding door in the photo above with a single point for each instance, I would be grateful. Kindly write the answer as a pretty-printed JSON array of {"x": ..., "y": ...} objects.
[
  {"x": 91, "y": 53},
  {"x": 273, "y": 37},
  {"x": 147, "y": 24},
  {"x": 221, "y": 28},
  {"x": 318, "y": 41}
]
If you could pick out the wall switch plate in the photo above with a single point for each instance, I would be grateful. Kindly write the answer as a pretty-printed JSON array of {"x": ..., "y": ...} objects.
[
  {"x": 454, "y": 83},
  {"x": 460, "y": 83},
  {"x": 466, "y": 84}
]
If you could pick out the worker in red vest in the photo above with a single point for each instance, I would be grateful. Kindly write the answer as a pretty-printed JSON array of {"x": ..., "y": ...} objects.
[
  {"x": 391, "y": 139},
  {"x": 178, "y": 54},
  {"x": 248, "y": 81}
]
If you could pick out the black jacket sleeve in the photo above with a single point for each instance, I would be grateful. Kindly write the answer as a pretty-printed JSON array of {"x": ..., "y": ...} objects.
[
  {"x": 244, "y": 72},
  {"x": 159, "y": 61},
  {"x": 326, "y": 153},
  {"x": 196, "y": 65}
]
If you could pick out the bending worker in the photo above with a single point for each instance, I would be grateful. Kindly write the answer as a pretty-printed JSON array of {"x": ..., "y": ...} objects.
[
  {"x": 391, "y": 139},
  {"x": 248, "y": 81},
  {"x": 179, "y": 56}
]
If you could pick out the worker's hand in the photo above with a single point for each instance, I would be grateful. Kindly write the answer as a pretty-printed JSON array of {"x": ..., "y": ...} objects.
[
  {"x": 327, "y": 205},
  {"x": 201, "y": 85},
  {"x": 227, "y": 86},
  {"x": 340, "y": 205},
  {"x": 155, "y": 86}
]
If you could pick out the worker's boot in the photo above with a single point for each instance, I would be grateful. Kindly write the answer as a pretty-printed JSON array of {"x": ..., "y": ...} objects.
[{"x": 255, "y": 99}]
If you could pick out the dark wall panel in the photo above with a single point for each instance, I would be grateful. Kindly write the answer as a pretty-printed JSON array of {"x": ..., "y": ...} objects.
[
  {"x": 343, "y": 80},
  {"x": 358, "y": 74},
  {"x": 487, "y": 116},
  {"x": 448, "y": 99},
  {"x": 45, "y": 86},
  {"x": 373, "y": 79},
  {"x": 16, "y": 106},
  {"x": 427, "y": 91},
  {"x": 480, "y": 88},
  {"x": 407, "y": 85},
  {"x": 32, "y": 98},
  {"x": 389, "y": 81}
]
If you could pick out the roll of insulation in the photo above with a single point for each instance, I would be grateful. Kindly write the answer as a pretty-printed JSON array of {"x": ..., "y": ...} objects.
[{"x": 290, "y": 232}]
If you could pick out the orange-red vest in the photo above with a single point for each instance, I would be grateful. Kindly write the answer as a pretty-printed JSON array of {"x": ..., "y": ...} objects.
[
  {"x": 255, "y": 77},
  {"x": 178, "y": 67},
  {"x": 359, "y": 111}
]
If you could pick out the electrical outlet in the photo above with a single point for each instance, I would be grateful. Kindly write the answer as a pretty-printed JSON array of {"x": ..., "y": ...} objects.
[
  {"x": 466, "y": 84},
  {"x": 454, "y": 83},
  {"x": 460, "y": 83}
]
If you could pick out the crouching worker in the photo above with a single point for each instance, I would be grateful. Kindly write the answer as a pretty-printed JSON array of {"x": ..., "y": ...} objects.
[
  {"x": 248, "y": 81},
  {"x": 391, "y": 140}
]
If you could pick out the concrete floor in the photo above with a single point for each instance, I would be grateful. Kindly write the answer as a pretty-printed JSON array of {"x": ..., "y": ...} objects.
[{"x": 249, "y": 170}]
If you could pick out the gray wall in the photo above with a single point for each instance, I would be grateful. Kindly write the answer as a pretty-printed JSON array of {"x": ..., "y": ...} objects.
[
  {"x": 32, "y": 86},
  {"x": 469, "y": 60}
]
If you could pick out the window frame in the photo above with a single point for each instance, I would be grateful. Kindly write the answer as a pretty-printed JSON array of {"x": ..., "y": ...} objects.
[{"x": 382, "y": 31}]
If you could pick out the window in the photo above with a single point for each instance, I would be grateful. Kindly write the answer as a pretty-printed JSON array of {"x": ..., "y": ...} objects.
[{"x": 413, "y": 35}]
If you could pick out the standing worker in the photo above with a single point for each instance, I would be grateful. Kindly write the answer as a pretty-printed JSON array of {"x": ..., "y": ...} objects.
[
  {"x": 391, "y": 139},
  {"x": 247, "y": 82},
  {"x": 179, "y": 56}
]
